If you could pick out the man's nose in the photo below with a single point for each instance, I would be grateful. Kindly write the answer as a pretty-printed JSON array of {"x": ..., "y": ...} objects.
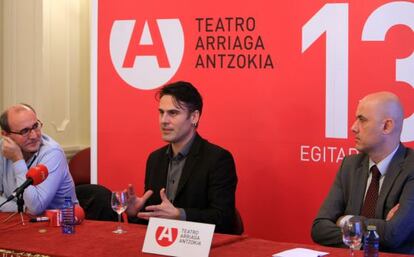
[
  {"x": 164, "y": 118},
  {"x": 354, "y": 127},
  {"x": 32, "y": 133}
]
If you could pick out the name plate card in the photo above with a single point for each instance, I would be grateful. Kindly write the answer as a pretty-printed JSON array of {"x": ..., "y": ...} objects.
[{"x": 178, "y": 238}]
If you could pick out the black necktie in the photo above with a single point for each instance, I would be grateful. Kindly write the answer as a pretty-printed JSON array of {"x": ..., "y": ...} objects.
[{"x": 368, "y": 209}]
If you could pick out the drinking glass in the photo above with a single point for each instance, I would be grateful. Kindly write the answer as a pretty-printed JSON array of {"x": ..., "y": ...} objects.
[
  {"x": 352, "y": 233},
  {"x": 119, "y": 203}
]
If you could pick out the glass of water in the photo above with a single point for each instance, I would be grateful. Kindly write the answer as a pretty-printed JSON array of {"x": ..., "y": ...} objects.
[
  {"x": 119, "y": 203},
  {"x": 352, "y": 233}
]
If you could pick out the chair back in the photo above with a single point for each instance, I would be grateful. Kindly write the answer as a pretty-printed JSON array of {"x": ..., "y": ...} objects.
[
  {"x": 80, "y": 167},
  {"x": 96, "y": 202},
  {"x": 238, "y": 227}
]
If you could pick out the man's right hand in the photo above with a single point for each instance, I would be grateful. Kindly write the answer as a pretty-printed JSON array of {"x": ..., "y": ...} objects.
[
  {"x": 136, "y": 203},
  {"x": 11, "y": 150},
  {"x": 392, "y": 212}
]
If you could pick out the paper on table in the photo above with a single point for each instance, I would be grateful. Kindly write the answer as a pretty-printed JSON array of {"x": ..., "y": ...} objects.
[{"x": 300, "y": 252}]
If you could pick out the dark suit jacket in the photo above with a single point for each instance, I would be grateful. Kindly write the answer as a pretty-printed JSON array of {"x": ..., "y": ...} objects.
[
  {"x": 206, "y": 190},
  {"x": 346, "y": 198}
]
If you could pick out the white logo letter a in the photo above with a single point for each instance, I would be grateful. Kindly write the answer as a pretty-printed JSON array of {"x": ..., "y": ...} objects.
[{"x": 166, "y": 233}]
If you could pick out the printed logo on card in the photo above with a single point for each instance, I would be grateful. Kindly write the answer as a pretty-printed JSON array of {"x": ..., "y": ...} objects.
[
  {"x": 147, "y": 53},
  {"x": 166, "y": 236}
]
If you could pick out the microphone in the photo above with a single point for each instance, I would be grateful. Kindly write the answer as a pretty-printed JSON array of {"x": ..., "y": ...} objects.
[
  {"x": 54, "y": 214},
  {"x": 35, "y": 176},
  {"x": 79, "y": 214}
]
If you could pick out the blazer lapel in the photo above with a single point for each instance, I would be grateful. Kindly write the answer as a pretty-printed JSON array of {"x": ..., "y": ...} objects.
[
  {"x": 393, "y": 171},
  {"x": 360, "y": 182},
  {"x": 190, "y": 162}
]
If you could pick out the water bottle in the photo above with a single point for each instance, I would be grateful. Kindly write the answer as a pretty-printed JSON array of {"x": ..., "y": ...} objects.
[
  {"x": 68, "y": 216},
  {"x": 371, "y": 243}
]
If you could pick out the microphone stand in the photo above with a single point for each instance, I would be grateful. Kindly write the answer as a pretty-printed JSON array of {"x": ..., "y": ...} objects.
[{"x": 20, "y": 205}]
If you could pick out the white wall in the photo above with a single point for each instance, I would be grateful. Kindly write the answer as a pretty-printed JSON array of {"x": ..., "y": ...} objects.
[{"x": 45, "y": 63}]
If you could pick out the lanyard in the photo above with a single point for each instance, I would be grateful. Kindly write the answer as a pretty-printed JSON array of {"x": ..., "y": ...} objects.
[{"x": 30, "y": 164}]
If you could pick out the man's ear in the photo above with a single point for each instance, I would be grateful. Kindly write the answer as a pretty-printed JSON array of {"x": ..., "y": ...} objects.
[
  {"x": 388, "y": 126},
  {"x": 195, "y": 117}
]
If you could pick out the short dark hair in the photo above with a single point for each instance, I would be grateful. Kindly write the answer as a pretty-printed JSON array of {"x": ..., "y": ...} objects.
[
  {"x": 4, "y": 118},
  {"x": 183, "y": 93}
]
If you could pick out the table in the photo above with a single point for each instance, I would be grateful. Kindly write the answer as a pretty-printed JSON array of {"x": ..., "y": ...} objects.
[
  {"x": 255, "y": 247},
  {"x": 95, "y": 238},
  {"x": 92, "y": 238}
]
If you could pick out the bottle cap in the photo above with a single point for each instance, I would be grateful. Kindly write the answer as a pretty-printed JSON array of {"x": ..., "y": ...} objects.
[{"x": 371, "y": 227}]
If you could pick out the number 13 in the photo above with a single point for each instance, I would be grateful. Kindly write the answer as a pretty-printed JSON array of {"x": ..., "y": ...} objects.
[{"x": 333, "y": 19}]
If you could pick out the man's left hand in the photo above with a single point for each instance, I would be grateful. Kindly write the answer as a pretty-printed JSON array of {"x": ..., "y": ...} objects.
[{"x": 164, "y": 210}]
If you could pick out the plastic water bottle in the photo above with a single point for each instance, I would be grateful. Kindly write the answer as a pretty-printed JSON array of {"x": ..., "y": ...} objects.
[
  {"x": 68, "y": 216},
  {"x": 371, "y": 243}
]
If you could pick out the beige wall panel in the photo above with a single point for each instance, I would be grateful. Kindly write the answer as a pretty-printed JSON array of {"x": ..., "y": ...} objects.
[
  {"x": 1, "y": 54},
  {"x": 45, "y": 62},
  {"x": 22, "y": 49}
]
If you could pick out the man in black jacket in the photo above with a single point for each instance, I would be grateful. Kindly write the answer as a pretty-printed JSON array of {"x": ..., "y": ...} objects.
[{"x": 190, "y": 178}]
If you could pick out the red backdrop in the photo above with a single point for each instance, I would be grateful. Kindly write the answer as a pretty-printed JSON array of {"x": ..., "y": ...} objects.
[{"x": 280, "y": 96}]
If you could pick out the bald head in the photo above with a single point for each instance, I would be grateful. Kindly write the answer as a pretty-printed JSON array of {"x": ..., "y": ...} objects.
[
  {"x": 20, "y": 127},
  {"x": 378, "y": 124},
  {"x": 387, "y": 106},
  {"x": 13, "y": 110}
]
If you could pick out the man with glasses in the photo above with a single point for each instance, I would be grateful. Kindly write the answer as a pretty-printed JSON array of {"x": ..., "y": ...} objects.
[{"x": 22, "y": 147}]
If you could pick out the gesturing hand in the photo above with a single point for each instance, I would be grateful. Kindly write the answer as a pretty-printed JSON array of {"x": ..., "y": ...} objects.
[
  {"x": 11, "y": 150},
  {"x": 136, "y": 203},
  {"x": 164, "y": 210}
]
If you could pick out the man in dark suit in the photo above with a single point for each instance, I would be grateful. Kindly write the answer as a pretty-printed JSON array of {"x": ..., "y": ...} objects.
[
  {"x": 377, "y": 185},
  {"x": 190, "y": 178}
]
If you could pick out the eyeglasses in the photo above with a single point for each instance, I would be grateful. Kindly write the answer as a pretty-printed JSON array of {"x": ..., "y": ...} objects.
[{"x": 26, "y": 131}]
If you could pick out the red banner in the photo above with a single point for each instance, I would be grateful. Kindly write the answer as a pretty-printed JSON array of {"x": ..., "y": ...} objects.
[{"x": 280, "y": 82}]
